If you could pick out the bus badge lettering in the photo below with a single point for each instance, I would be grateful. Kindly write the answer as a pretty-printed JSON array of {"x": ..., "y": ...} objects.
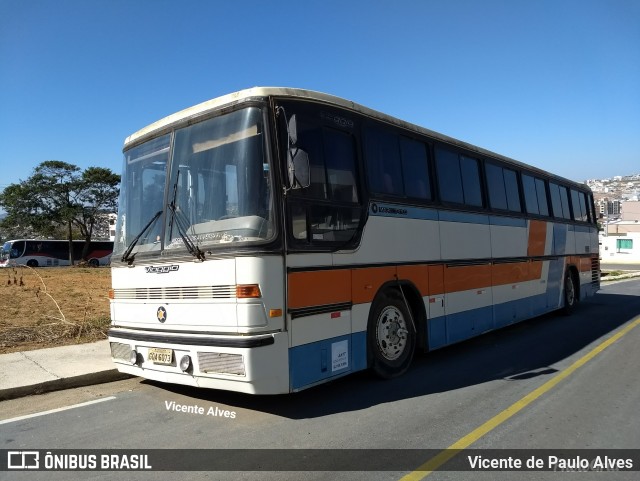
[
  {"x": 161, "y": 314},
  {"x": 161, "y": 269}
]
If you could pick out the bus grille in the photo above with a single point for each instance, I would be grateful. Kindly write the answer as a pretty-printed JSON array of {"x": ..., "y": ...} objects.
[
  {"x": 221, "y": 363},
  {"x": 120, "y": 351},
  {"x": 193, "y": 292},
  {"x": 595, "y": 270}
]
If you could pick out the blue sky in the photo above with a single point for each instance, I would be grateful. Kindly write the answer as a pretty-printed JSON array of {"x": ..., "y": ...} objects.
[{"x": 553, "y": 83}]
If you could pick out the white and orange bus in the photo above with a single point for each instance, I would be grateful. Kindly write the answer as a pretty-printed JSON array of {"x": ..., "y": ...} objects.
[
  {"x": 273, "y": 239},
  {"x": 53, "y": 253}
]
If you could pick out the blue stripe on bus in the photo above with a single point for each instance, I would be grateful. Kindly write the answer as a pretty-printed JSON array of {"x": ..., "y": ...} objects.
[
  {"x": 315, "y": 362},
  {"x": 410, "y": 212},
  {"x": 452, "y": 328},
  {"x": 555, "y": 279},
  {"x": 463, "y": 217},
  {"x": 559, "y": 239},
  {"x": 403, "y": 211},
  {"x": 508, "y": 221}
]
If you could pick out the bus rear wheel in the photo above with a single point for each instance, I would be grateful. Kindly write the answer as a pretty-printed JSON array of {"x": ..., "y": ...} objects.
[
  {"x": 570, "y": 293},
  {"x": 391, "y": 336}
]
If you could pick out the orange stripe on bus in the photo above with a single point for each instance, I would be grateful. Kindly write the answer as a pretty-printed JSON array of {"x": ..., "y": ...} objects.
[
  {"x": 464, "y": 278},
  {"x": 359, "y": 286},
  {"x": 582, "y": 263},
  {"x": 537, "y": 238},
  {"x": 511, "y": 273},
  {"x": 319, "y": 288},
  {"x": 535, "y": 270},
  {"x": 418, "y": 275},
  {"x": 436, "y": 280},
  {"x": 367, "y": 281}
]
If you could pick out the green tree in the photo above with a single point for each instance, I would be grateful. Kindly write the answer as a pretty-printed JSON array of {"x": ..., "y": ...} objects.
[
  {"x": 59, "y": 196},
  {"x": 98, "y": 195}
]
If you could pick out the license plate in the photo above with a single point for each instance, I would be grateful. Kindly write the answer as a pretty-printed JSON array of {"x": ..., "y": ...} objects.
[{"x": 160, "y": 356}]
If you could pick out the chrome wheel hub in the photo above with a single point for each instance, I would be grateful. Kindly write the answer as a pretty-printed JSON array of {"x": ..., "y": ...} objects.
[{"x": 391, "y": 333}]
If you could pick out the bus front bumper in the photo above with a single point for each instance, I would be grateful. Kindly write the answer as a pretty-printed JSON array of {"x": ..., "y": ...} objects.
[{"x": 255, "y": 364}]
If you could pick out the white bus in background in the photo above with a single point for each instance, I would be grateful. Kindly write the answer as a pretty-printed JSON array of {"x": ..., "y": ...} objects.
[
  {"x": 273, "y": 239},
  {"x": 53, "y": 253}
]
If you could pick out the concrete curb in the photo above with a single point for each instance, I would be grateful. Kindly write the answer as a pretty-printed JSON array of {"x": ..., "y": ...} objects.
[
  {"x": 43, "y": 370},
  {"x": 62, "y": 383},
  {"x": 629, "y": 275}
]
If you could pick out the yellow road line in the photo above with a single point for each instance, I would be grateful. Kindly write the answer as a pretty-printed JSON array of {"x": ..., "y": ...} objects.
[{"x": 443, "y": 456}]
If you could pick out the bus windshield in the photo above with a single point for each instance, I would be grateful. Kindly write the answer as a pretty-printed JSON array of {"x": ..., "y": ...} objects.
[
  {"x": 210, "y": 179},
  {"x": 11, "y": 250}
]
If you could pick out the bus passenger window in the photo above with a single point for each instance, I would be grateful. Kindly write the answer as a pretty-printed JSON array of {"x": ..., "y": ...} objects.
[
  {"x": 471, "y": 181},
  {"x": 383, "y": 162},
  {"x": 530, "y": 195},
  {"x": 415, "y": 168},
  {"x": 504, "y": 193},
  {"x": 449, "y": 178}
]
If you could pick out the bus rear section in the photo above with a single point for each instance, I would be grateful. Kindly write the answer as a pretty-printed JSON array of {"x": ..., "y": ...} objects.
[{"x": 217, "y": 324}]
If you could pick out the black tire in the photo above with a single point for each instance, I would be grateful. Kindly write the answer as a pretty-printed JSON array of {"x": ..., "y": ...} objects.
[
  {"x": 94, "y": 262},
  {"x": 391, "y": 337},
  {"x": 32, "y": 263},
  {"x": 569, "y": 293}
]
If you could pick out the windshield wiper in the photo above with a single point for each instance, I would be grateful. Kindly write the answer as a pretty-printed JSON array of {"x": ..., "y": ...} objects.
[
  {"x": 127, "y": 256},
  {"x": 193, "y": 249}
]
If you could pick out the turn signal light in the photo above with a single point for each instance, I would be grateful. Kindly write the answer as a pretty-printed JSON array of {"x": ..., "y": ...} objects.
[
  {"x": 248, "y": 291},
  {"x": 112, "y": 294}
]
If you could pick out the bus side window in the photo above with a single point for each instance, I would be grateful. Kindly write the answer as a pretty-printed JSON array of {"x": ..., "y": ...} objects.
[
  {"x": 535, "y": 195},
  {"x": 328, "y": 210},
  {"x": 530, "y": 194},
  {"x": 458, "y": 178},
  {"x": 415, "y": 167},
  {"x": 341, "y": 165},
  {"x": 383, "y": 162},
  {"x": 559, "y": 201},
  {"x": 541, "y": 190},
  {"x": 449, "y": 178},
  {"x": 504, "y": 193}
]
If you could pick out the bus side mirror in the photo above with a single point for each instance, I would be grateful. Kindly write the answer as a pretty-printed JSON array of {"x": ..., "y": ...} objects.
[
  {"x": 298, "y": 168},
  {"x": 297, "y": 159}
]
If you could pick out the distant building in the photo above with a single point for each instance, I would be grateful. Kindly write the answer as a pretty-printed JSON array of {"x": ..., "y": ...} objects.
[
  {"x": 608, "y": 208},
  {"x": 629, "y": 221},
  {"x": 621, "y": 248},
  {"x": 631, "y": 211},
  {"x": 112, "y": 226}
]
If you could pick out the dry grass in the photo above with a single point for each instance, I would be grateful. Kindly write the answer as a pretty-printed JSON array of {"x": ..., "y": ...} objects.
[{"x": 52, "y": 306}]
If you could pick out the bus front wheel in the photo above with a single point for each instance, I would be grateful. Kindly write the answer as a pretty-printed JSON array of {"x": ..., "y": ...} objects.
[{"x": 391, "y": 336}]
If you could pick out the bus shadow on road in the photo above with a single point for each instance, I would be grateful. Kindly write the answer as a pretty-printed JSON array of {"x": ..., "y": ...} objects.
[{"x": 516, "y": 354}]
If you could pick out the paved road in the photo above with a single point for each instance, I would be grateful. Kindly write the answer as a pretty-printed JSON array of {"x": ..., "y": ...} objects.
[{"x": 441, "y": 401}]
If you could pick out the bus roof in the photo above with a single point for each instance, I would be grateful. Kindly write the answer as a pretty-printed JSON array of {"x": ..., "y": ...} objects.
[{"x": 202, "y": 109}]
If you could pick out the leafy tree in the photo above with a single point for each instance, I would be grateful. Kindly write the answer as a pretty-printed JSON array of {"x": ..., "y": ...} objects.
[
  {"x": 98, "y": 195},
  {"x": 58, "y": 198}
]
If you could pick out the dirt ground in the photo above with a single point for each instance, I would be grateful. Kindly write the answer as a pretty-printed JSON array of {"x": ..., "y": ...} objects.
[{"x": 52, "y": 306}]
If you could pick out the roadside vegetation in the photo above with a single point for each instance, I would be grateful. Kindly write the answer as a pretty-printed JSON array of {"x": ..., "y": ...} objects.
[{"x": 52, "y": 306}]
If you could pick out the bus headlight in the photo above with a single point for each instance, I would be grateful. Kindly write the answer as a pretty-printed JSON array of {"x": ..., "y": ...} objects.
[
  {"x": 133, "y": 357},
  {"x": 185, "y": 363}
]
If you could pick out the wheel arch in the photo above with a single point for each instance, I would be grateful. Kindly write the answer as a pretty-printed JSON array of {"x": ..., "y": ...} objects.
[{"x": 415, "y": 302}]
